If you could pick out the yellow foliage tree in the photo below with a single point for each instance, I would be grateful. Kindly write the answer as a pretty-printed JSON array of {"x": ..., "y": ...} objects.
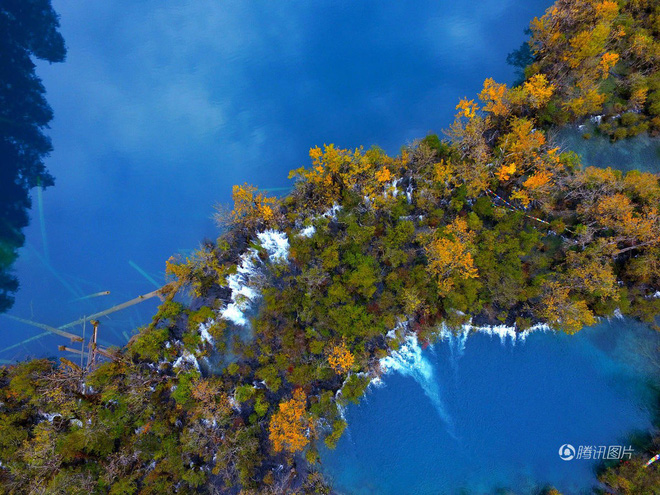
[
  {"x": 494, "y": 95},
  {"x": 468, "y": 138},
  {"x": 522, "y": 196},
  {"x": 291, "y": 426},
  {"x": 607, "y": 61},
  {"x": 638, "y": 98},
  {"x": 443, "y": 171},
  {"x": 383, "y": 175},
  {"x": 522, "y": 145},
  {"x": 562, "y": 312},
  {"x": 524, "y": 139},
  {"x": 607, "y": 10},
  {"x": 618, "y": 213},
  {"x": 591, "y": 274},
  {"x": 340, "y": 358},
  {"x": 537, "y": 181},
  {"x": 643, "y": 185},
  {"x": 251, "y": 208},
  {"x": 209, "y": 402},
  {"x": 587, "y": 44},
  {"x": 334, "y": 169},
  {"x": 506, "y": 171},
  {"x": 539, "y": 90},
  {"x": 450, "y": 256},
  {"x": 468, "y": 108}
]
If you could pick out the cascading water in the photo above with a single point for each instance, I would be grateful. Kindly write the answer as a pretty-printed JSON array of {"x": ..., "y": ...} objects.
[
  {"x": 410, "y": 361},
  {"x": 505, "y": 410},
  {"x": 243, "y": 283}
]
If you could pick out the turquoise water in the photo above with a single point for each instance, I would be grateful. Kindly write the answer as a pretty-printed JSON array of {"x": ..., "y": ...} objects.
[
  {"x": 639, "y": 153},
  {"x": 482, "y": 415},
  {"x": 163, "y": 105}
]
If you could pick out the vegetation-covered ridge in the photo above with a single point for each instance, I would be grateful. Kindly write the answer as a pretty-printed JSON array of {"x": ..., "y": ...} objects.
[
  {"x": 603, "y": 57},
  {"x": 296, "y": 303}
]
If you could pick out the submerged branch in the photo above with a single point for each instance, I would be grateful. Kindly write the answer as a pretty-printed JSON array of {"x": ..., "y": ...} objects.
[
  {"x": 114, "y": 309},
  {"x": 58, "y": 331}
]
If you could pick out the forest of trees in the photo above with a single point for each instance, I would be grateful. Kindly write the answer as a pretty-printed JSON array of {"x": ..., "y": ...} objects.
[
  {"x": 603, "y": 56},
  {"x": 495, "y": 224},
  {"x": 28, "y": 30}
]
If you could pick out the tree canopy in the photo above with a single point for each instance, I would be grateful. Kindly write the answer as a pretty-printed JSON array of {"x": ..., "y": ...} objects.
[{"x": 28, "y": 31}]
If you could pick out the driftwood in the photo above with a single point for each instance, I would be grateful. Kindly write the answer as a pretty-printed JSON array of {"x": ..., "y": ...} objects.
[
  {"x": 58, "y": 331},
  {"x": 93, "y": 347},
  {"x": 118, "y": 307}
]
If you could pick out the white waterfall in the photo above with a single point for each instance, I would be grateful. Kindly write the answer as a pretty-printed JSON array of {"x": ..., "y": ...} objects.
[
  {"x": 409, "y": 361},
  {"x": 242, "y": 283}
]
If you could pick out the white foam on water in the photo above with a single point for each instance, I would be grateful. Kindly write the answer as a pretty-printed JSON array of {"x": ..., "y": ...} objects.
[
  {"x": 409, "y": 192},
  {"x": 376, "y": 382},
  {"x": 234, "y": 314},
  {"x": 456, "y": 341},
  {"x": 504, "y": 332},
  {"x": 186, "y": 359},
  {"x": 51, "y": 416},
  {"x": 204, "y": 331},
  {"x": 234, "y": 404},
  {"x": 241, "y": 283},
  {"x": 395, "y": 189},
  {"x": 241, "y": 292},
  {"x": 332, "y": 212},
  {"x": 308, "y": 231},
  {"x": 408, "y": 360},
  {"x": 276, "y": 243}
]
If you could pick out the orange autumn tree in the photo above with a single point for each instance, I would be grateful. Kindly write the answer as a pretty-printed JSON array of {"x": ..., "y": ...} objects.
[
  {"x": 579, "y": 43},
  {"x": 501, "y": 101},
  {"x": 340, "y": 358},
  {"x": 606, "y": 63},
  {"x": 563, "y": 311},
  {"x": 291, "y": 426},
  {"x": 507, "y": 116},
  {"x": 383, "y": 175},
  {"x": 617, "y": 212},
  {"x": 468, "y": 108},
  {"x": 252, "y": 209},
  {"x": 538, "y": 90},
  {"x": 450, "y": 256},
  {"x": 506, "y": 171},
  {"x": 495, "y": 96},
  {"x": 523, "y": 144},
  {"x": 335, "y": 169},
  {"x": 535, "y": 186}
]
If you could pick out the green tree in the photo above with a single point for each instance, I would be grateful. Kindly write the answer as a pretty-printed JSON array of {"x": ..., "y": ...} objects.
[{"x": 28, "y": 30}]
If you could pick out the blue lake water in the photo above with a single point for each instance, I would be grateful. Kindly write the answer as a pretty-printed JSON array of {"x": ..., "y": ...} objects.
[
  {"x": 491, "y": 416},
  {"x": 163, "y": 105}
]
